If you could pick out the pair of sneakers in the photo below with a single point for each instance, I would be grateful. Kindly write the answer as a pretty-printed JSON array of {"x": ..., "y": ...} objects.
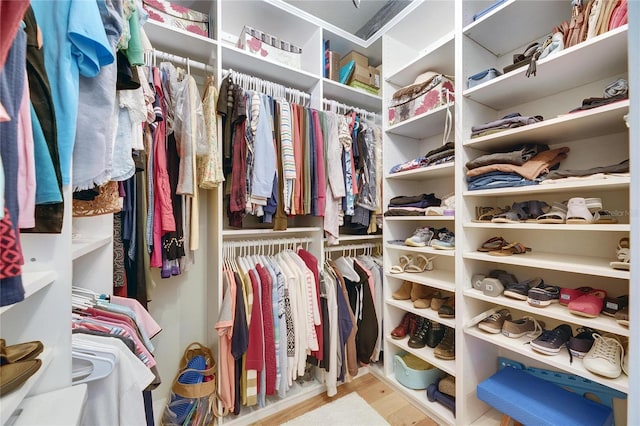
[
  {"x": 441, "y": 239},
  {"x": 502, "y": 322}
]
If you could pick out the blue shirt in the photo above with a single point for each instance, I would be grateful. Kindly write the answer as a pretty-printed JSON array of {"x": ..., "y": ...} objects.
[{"x": 75, "y": 43}]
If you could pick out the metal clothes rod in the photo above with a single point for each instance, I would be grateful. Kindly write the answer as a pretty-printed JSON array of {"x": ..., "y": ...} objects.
[
  {"x": 188, "y": 62},
  {"x": 351, "y": 247},
  {"x": 266, "y": 242},
  {"x": 335, "y": 106},
  {"x": 249, "y": 82}
]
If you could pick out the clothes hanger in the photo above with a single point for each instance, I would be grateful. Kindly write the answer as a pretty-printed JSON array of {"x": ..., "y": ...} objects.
[{"x": 97, "y": 366}]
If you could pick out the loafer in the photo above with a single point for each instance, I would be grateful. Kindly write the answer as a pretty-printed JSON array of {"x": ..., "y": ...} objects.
[
  {"x": 13, "y": 375},
  {"x": 19, "y": 352}
]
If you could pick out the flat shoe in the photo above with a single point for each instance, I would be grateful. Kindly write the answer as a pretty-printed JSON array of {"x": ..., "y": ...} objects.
[
  {"x": 508, "y": 250},
  {"x": 19, "y": 352},
  {"x": 13, "y": 375}
]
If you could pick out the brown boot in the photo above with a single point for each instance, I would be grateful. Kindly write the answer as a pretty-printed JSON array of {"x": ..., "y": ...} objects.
[
  {"x": 439, "y": 299},
  {"x": 419, "y": 291},
  {"x": 405, "y": 326},
  {"x": 404, "y": 292},
  {"x": 448, "y": 310}
]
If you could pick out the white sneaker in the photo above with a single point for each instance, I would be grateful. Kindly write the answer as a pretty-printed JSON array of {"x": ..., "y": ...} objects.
[
  {"x": 420, "y": 238},
  {"x": 605, "y": 357}
]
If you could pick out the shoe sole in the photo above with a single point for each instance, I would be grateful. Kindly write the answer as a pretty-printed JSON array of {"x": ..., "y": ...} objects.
[
  {"x": 514, "y": 295},
  {"x": 439, "y": 247},
  {"x": 514, "y": 335},
  {"x": 445, "y": 357},
  {"x": 412, "y": 244},
  {"x": 489, "y": 329},
  {"x": 541, "y": 303},
  {"x": 583, "y": 314},
  {"x": 548, "y": 351},
  {"x": 446, "y": 316},
  {"x": 577, "y": 354}
]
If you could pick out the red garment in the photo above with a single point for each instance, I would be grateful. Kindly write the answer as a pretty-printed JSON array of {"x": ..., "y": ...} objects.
[
  {"x": 255, "y": 348},
  {"x": 238, "y": 199},
  {"x": 10, "y": 253},
  {"x": 322, "y": 180},
  {"x": 312, "y": 263},
  {"x": 163, "y": 220},
  {"x": 11, "y": 13},
  {"x": 269, "y": 332}
]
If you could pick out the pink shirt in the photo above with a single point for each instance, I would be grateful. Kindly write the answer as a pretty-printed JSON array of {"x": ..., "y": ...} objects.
[{"x": 26, "y": 163}]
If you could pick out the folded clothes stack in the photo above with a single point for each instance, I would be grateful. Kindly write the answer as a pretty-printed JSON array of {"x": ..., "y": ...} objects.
[
  {"x": 442, "y": 154},
  {"x": 416, "y": 205},
  {"x": 510, "y": 121},
  {"x": 523, "y": 166},
  {"x": 614, "y": 92}
]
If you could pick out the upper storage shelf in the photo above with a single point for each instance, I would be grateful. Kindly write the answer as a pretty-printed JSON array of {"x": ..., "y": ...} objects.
[
  {"x": 514, "y": 23},
  {"x": 595, "y": 59},
  {"x": 350, "y": 96},
  {"x": 169, "y": 39}
]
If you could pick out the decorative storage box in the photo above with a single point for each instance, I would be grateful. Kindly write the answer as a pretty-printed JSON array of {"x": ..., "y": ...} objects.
[
  {"x": 430, "y": 91},
  {"x": 268, "y": 46},
  {"x": 413, "y": 372},
  {"x": 177, "y": 16}
]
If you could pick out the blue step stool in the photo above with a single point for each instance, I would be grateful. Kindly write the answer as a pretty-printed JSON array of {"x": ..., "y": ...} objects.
[{"x": 533, "y": 401}]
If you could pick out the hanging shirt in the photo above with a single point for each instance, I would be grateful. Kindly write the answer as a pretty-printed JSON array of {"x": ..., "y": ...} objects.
[
  {"x": 288, "y": 159},
  {"x": 76, "y": 43}
]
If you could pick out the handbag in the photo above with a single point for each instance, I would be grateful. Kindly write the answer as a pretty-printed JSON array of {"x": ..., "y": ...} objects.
[
  {"x": 522, "y": 59},
  {"x": 107, "y": 201},
  {"x": 482, "y": 76},
  {"x": 194, "y": 398}
]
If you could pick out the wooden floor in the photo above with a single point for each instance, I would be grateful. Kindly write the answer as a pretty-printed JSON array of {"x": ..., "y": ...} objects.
[{"x": 389, "y": 404}]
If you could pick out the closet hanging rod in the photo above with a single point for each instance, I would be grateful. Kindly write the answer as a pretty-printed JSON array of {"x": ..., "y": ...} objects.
[
  {"x": 250, "y": 82},
  {"x": 331, "y": 104},
  {"x": 188, "y": 62},
  {"x": 351, "y": 247},
  {"x": 266, "y": 242}
]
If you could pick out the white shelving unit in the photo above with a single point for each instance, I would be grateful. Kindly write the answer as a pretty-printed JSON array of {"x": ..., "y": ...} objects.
[{"x": 565, "y": 255}]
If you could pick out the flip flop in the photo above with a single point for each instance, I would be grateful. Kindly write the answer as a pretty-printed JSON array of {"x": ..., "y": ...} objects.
[
  {"x": 403, "y": 262},
  {"x": 485, "y": 214},
  {"x": 493, "y": 244}
]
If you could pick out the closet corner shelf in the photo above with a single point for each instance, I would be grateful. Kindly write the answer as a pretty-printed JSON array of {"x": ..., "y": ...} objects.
[
  {"x": 555, "y": 311},
  {"x": 32, "y": 283},
  {"x": 60, "y": 407},
  {"x": 419, "y": 218},
  {"x": 560, "y": 361},
  {"x": 83, "y": 246},
  {"x": 553, "y": 73},
  {"x": 407, "y": 305},
  {"x": 180, "y": 42},
  {"x": 240, "y": 60},
  {"x": 419, "y": 397},
  {"x": 604, "y": 120},
  {"x": 509, "y": 18},
  {"x": 438, "y": 278},
  {"x": 422, "y": 173},
  {"x": 610, "y": 183},
  {"x": 618, "y": 227},
  {"x": 439, "y": 56},
  {"x": 351, "y": 96},
  {"x": 424, "y": 125},
  {"x": 426, "y": 353},
  {"x": 587, "y": 265},
  {"x": 289, "y": 232},
  {"x": 11, "y": 401}
]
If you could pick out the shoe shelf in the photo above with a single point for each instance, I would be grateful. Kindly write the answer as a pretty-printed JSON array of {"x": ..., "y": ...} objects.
[
  {"x": 593, "y": 227},
  {"x": 407, "y": 305},
  {"x": 240, "y": 60},
  {"x": 423, "y": 173},
  {"x": 555, "y": 261},
  {"x": 439, "y": 279},
  {"x": 11, "y": 401},
  {"x": 82, "y": 246},
  {"x": 609, "y": 183},
  {"x": 434, "y": 410},
  {"x": 554, "y": 73},
  {"x": 419, "y": 218},
  {"x": 32, "y": 283},
  {"x": 424, "y": 125},
  {"x": 60, "y": 407},
  {"x": 555, "y": 311},
  {"x": 351, "y": 96},
  {"x": 421, "y": 250},
  {"x": 601, "y": 121},
  {"x": 426, "y": 353},
  {"x": 559, "y": 361},
  {"x": 439, "y": 56},
  {"x": 520, "y": 22},
  {"x": 170, "y": 39}
]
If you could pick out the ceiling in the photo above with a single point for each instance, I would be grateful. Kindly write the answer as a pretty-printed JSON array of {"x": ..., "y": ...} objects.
[{"x": 363, "y": 21}]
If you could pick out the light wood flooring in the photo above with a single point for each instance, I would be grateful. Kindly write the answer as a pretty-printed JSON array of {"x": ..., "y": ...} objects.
[{"x": 391, "y": 405}]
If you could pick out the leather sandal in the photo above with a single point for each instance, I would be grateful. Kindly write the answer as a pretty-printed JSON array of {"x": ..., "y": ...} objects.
[
  {"x": 516, "y": 214},
  {"x": 508, "y": 250}
]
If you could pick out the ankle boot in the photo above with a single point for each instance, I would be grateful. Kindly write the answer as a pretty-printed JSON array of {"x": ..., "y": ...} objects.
[
  {"x": 419, "y": 291},
  {"x": 448, "y": 310},
  {"x": 404, "y": 292},
  {"x": 403, "y": 328}
]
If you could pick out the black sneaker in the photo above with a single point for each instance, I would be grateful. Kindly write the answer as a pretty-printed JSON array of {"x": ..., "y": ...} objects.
[
  {"x": 582, "y": 342},
  {"x": 551, "y": 341},
  {"x": 419, "y": 338},
  {"x": 520, "y": 291}
]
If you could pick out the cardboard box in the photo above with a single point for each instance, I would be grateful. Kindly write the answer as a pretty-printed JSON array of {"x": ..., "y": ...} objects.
[
  {"x": 334, "y": 66},
  {"x": 270, "y": 47},
  {"x": 361, "y": 60},
  {"x": 178, "y": 17},
  {"x": 367, "y": 75}
]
